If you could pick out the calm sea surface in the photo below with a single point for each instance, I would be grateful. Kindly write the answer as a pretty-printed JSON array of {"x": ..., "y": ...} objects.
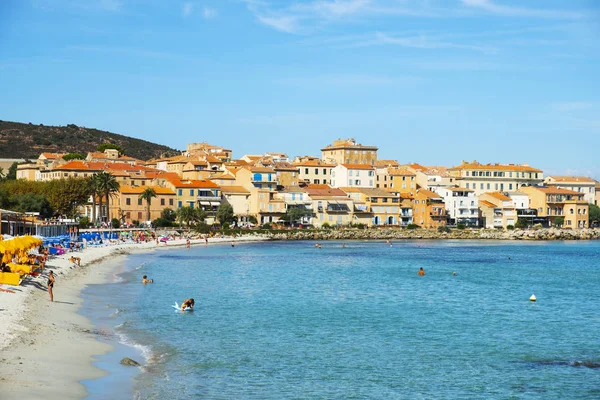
[{"x": 285, "y": 320}]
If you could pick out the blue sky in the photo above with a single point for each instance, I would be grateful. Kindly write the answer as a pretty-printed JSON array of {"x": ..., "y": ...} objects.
[{"x": 428, "y": 81}]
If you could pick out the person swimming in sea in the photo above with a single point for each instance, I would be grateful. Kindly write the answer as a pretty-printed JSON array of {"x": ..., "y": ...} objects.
[
  {"x": 187, "y": 303},
  {"x": 146, "y": 280},
  {"x": 421, "y": 272}
]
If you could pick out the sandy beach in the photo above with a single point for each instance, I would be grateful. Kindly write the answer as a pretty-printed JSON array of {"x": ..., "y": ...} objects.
[{"x": 47, "y": 348}]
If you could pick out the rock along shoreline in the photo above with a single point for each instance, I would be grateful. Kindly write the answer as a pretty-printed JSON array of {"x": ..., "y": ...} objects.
[{"x": 467, "y": 234}]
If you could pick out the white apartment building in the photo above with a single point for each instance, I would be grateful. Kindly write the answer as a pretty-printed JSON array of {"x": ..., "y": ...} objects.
[
  {"x": 353, "y": 175},
  {"x": 462, "y": 206}
]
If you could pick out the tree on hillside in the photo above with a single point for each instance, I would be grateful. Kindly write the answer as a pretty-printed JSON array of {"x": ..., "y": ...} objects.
[
  {"x": 66, "y": 195},
  {"x": 105, "y": 146},
  {"x": 107, "y": 187},
  {"x": 147, "y": 195},
  {"x": 594, "y": 214},
  {"x": 225, "y": 214},
  {"x": 73, "y": 156},
  {"x": 12, "y": 172}
]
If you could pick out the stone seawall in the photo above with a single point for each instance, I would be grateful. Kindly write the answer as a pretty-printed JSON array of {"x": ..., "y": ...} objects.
[{"x": 489, "y": 234}]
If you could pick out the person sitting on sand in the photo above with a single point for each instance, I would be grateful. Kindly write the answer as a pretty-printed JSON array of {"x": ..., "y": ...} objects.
[
  {"x": 75, "y": 260},
  {"x": 187, "y": 303},
  {"x": 421, "y": 272},
  {"x": 146, "y": 280}
]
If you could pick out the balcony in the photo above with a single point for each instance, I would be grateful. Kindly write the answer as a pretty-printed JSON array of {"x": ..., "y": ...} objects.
[
  {"x": 408, "y": 213},
  {"x": 337, "y": 207},
  {"x": 209, "y": 198}
]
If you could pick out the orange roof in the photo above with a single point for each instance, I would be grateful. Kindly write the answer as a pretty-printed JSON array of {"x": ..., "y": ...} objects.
[
  {"x": 153, "y": 174},
  {"x": 357, "y": 166},
  {"x": 262, "y": 169},
  {"x": 323, "y": 191},
  {"x": 498, "y": 195},
  {"x": 193, "y": 183},
  {"x": 428, "y": 193},
  {"x": 234, "y": 189},
  {"x": 497, "y": 167},
  {"x": 53, "y": 156},
  {"x": 314, "y": 163},
  {"x": 386, "y": 163},
  {"x": 78, "y": 165},
  {"x": 285, "y": 166},
  {"x": 213, "y": 159},
  {"x": 400, "y": 171},
  {"x": 552, "y": 190},
  {"x": 141, "y": 189},
  {"x": 417, "y": 166},
  {"x": 487, "y": 204},
  {"x": 571, "y": 179}
]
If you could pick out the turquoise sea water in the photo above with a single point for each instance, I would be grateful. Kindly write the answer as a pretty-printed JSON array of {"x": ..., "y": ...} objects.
[{"x": 285, "y": 320}]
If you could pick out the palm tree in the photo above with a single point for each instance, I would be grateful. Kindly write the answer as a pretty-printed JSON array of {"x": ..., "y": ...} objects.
[
  {"x": 107, "y": 186},
  {"x": 185, "y": 214},
  {"x": 93, "y": 190},
  {"x": 147, "y": 195}
]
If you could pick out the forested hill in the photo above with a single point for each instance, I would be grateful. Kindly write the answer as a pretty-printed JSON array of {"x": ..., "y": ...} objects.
[{"x": 18, "y": 140}]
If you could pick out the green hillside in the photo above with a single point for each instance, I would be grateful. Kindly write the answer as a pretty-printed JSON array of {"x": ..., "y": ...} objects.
[{"x": 18, "y": 140}]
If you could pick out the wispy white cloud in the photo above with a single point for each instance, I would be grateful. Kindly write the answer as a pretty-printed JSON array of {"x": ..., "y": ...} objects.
[
  {"x": 425, "y": 42},
  {"x": 209, "y": 13},
  {"x": 187, "y": 8},
  {"x": 508, "y": 11},
  {"x": 286, "y": 24}
]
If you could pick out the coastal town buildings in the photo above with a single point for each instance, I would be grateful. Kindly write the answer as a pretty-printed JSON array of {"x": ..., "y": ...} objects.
[
  {"x": 497, "y": 210},
  {"x": 462, "y": 206},
  {"x": 429, "y": 210},
  {"x": 495, "y": 177},
  {"x": 397, "y": 179},
  {"x": 581, "y": 184},
  {"x": 127, "y": 206},
  {"x": 432, "y": 177},
  {"x": 330, "y": 206},
  {"x": 347, "y": 151},
  {"x": 380, "y": 206},
  {"x": 313, "y": 171},
  {"x": 560, "y": 206},
  {"x": 353, "y": 175}
]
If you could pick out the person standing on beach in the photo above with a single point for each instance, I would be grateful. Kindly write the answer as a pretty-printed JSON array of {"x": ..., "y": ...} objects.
[
  {"x": 51, "y": 285},
  {"x": 187, "y": 243}
]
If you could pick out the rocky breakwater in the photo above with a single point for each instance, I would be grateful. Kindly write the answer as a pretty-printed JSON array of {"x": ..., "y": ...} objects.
[{"x": 399, "y": 234}]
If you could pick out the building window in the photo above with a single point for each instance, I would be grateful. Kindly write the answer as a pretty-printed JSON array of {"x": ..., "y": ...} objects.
[
  {"x": 316, "y": 171},
  {"x": 162, "y": 202},
  {"x": 128, "y": 201},
  {"x": 180, "y": 191},
  {"x": 324, "y": 171},
  {"x": 488, "y": 186},
  {"x": 306, "y": 171},
  {"x": 179, "y": 204},
  {"x": 317, "y": 181},
  {"x": 170, "y": 202},
  {"x": 139, "y": 202},
  {"x": 467, "y": 185},
  {"x": 140, "y": 215}
]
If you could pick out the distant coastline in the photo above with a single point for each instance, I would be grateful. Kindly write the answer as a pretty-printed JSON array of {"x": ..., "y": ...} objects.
[{"x": 469, "y": 234}]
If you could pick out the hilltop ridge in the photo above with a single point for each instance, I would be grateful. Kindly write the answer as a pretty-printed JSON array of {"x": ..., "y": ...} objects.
[{"x": 21, "y": 140}]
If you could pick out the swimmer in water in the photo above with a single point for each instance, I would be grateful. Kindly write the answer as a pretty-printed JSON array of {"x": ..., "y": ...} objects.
[
  {"x": 421, "y": 272},
  {"x": 146, "y": 280},
  {"x": 187, "y": 303}
]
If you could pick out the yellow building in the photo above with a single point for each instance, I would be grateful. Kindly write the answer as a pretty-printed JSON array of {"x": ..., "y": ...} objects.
[
  {"x": 239, "y": 199},
  {"x": 429, "y": 210},
  {"x": 287, "y": 174},
  {"x": 397, "y": 179},
  {"x": 28, "y": 172},
  {"x": 554, "y": 203},
  {"x": 497, "y": 210},
  {"x": 129, "y": 207},
  {"x": 383, "y": 207},
  {"x": 314, "y": 171},
  {"x": 495, "y": 177},
  {"x": 329, "y": 205},
  {"x": 349, "y": 152}
]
